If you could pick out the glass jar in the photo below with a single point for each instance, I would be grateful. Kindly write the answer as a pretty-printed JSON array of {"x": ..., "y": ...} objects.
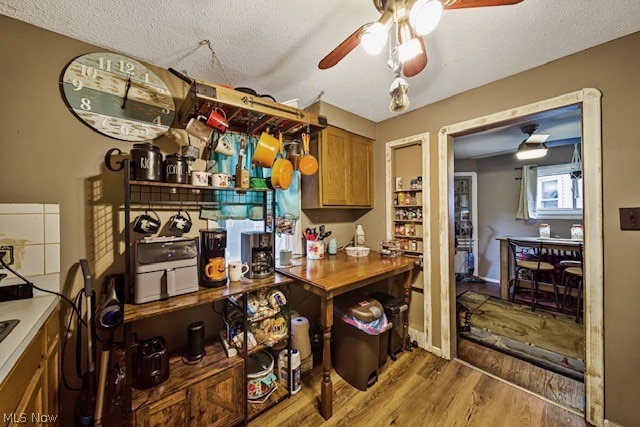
[
  {"x": 401, "y": 198},
  {"x": 545, "y": 231},
  {"x": 577, "y": 232}
]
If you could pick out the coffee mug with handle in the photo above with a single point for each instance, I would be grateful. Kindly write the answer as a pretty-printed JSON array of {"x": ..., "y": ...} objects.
[
  {"x": 215, "y": 269},
  {"x": 146, "y": 224},
  {"x": 218, "y": 120},
  {"x": 181, "y": 223},
  {"x": 236, "y": 270},
  {"x": 197, "y": 128}
]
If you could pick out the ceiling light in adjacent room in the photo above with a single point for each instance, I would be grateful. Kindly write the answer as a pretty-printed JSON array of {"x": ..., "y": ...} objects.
[{"x": 528, "y": 151}]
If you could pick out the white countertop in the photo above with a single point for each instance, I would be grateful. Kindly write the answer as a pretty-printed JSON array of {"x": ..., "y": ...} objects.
[{"x": 32, "y": 313}]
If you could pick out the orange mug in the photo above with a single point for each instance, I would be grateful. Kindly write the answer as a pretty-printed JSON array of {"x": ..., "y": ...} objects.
[{"x": 216, "y": 269}]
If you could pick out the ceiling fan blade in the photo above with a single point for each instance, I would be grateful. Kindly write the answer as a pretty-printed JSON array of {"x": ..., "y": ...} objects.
[
  {"x": 537, "y": 138},
  {"x": 342, "y": 49},
  {"x": 462, "y": 4},
  {"x": 417, "y": 64}
]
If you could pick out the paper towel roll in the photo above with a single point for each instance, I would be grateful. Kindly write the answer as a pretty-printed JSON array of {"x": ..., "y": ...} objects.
[{"x": 300, "y": 336}]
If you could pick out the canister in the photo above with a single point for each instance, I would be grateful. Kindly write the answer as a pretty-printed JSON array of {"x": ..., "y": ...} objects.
[
  {"x": 176, "y": 169},
  {"x": 146, "y": 162}
]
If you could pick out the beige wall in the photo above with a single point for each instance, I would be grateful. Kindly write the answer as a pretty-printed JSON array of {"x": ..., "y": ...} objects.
[{"x": 613, "y": 69}]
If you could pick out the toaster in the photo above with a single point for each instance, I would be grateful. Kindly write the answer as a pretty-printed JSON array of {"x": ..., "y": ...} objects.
[
  {"x": 164, "y": 267},
  {"x": 150, "y": 363}
]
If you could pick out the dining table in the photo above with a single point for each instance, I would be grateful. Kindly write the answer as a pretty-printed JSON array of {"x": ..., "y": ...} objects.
[
  {"x": 337, "y": 274},
  {"x": 506, "y": 259}
]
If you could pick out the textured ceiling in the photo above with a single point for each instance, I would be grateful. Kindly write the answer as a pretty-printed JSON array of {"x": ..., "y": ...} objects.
[
  {"x": 563, "y": 125},
  {"x": 274, "y": 46}
]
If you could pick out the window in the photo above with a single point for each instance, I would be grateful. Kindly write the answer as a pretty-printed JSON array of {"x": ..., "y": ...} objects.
[{"x": 558, "y": 195}]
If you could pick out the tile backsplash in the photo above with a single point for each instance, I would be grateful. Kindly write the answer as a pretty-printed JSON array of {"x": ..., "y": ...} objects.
[{"x": 33, "y": 229}]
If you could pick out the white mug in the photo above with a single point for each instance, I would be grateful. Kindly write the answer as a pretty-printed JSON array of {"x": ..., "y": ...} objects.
[
  {"x": 236, "y": 270},
  {"x": 198, "y": 129},
  {"x": 220, "y": 180}
]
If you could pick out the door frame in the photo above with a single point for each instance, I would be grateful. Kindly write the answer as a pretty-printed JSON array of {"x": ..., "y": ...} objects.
[
  {"x": 424, "y": 337},
  {"x": 590, "y": 100}
]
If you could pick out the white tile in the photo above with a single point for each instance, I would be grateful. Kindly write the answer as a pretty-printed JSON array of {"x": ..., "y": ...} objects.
[
  {"x": 51, "y": 258},
  {"x": 51, "y": 209},
  {"x": 52, "y": 228},
  {"x": 28, "y": 228},
  {"x": 21, "y": 208},
  {"x": 29, "y": 261}
]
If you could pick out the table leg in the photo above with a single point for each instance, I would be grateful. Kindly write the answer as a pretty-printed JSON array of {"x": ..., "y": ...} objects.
[
  {"x": 408, "y": 282},
  {"x": 504, "y": 270},
  {"x": 326, "y": 388}
]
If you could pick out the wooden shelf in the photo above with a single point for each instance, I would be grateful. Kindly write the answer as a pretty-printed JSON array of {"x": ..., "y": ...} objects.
[
  {"x": 133, "y": 312},
  {"x": 415, "y": 221},
  {"x": 409, "y": 190},
  {"x": 406, "y": 236},
  {"x": 182, "y": 375},
  {"x": 276, "y": 397},
  {"x": 407, "y": 206},
  {"x": 260, "y": 347},
  {"x": 246, "y": 113}
]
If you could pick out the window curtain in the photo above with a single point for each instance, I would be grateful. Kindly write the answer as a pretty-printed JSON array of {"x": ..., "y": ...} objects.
[{"x": 528, "y": 190}]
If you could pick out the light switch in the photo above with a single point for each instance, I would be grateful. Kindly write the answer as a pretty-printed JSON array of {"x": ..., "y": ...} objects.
[{"x": 630, "y": 218}]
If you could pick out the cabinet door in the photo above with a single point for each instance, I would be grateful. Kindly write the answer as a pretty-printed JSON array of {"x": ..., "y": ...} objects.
[
  {"x": 217, "y": 401},
  {"x": 361, "y": 171},
  {"x": 170, "y": 411},
  {"x": 33, "y": 404},
  {"x": 53, "y": 372},
  {"x": 334, "y": 161}
]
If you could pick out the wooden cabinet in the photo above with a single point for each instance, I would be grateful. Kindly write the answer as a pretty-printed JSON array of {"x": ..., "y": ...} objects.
[
  {"x": 345, "y": 175},
  {"x": 206, "y": 394},
  {"x": 30, "y": 391}
]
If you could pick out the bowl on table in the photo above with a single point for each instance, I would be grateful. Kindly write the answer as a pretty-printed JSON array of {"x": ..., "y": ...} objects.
[{"x": 357, "y": 251}]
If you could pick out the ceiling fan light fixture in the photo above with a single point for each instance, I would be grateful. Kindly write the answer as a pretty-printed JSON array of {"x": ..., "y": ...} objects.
[
  {"x": 527, "y": 151},
  {"x": 424, "y": 15},
  {"x": 374, "y": 37},
  {"x": 410, "y": 46}
]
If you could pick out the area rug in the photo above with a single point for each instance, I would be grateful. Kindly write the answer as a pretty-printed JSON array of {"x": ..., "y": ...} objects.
[{"x": 551, "y": 340}]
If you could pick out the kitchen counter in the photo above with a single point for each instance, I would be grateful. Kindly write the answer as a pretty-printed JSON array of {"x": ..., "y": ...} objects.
[
  {"x": 32, "y": 313},
  {"x": 335, "y": 275}
]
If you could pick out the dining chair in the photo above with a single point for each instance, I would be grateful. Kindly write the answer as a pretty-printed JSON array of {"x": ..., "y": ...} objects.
[
  {"x": 573, "y": 272},
  {"x": 527, "y": 260}
]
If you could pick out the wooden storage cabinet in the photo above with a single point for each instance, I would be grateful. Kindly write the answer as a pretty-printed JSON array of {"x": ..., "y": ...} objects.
[
  {"x": 345, "y": 174},
  {"x": 214, "y": 401},
  {"x": 30, "y": 391}
]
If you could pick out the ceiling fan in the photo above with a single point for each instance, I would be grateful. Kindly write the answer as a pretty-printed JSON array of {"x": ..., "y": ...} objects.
[
  {"x": 534, "y": 146},
  {"x": 413, "y": 19}
]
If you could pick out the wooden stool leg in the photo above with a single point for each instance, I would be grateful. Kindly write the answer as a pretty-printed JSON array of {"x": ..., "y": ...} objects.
[
  {"x": 563, "y": 282},
  {"x": 580, "y": 300},
  {"x": 555, "y": 291},
  {"x": 534, "y": 289},
  {"x": 515, "y": 286}
]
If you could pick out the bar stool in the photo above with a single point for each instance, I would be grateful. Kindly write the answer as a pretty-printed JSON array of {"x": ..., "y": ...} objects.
[
  {"x": 573, "y": 272},
  {"x": 527, "y": 257}
]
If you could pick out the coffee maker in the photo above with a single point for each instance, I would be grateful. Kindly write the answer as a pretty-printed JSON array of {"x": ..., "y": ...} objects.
[
  {"x": 212, "y": 265},
  {"x": 257, "y": 252}
]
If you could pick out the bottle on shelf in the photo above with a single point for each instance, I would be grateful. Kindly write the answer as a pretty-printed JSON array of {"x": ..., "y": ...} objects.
[{"x": 283, "y": 375}]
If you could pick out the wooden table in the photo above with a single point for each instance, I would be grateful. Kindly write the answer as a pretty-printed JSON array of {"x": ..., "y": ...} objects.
[
  {"x": 338, "y": 274},
  {"x": 506, "y": 259}
]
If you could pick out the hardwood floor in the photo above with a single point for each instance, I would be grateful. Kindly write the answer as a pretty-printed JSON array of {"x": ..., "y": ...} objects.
[
  {"x": 556, "y": 387},
  {"x": 488, "y": 288},
  {"x": 420, "y": 389}
]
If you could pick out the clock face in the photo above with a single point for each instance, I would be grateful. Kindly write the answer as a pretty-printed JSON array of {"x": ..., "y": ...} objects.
[{"x": 118, "y": 96}]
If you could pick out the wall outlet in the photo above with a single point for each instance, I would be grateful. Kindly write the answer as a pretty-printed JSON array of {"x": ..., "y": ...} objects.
[
  {"x": 630, "y": 218},
  {"x": 6, "y": 251}
]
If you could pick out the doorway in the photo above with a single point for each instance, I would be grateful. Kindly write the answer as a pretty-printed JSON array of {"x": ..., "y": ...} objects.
[
  {"x": 590, "y": 102},
  {"x": 541, "y": 336}
]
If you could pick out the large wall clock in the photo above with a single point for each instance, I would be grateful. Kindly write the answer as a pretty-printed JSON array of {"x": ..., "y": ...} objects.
[{"x": 118, "y": 96}]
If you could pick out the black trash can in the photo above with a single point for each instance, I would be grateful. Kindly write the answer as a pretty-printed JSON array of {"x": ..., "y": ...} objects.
[
  {"x": 394, "y": 308},
  {"x": 356, "y": 354}
]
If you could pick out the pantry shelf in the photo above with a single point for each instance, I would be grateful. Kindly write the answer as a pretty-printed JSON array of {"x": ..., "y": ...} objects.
[
  {"x": 411, "y": 190},
  {"x": 412, "y": 221},
  {"x": 276, "y": 397},
  {"x": 404, "y": 236}
]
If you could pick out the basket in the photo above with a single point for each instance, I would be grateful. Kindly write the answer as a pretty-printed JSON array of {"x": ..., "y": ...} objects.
[{"x": 357, "y": 251}]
